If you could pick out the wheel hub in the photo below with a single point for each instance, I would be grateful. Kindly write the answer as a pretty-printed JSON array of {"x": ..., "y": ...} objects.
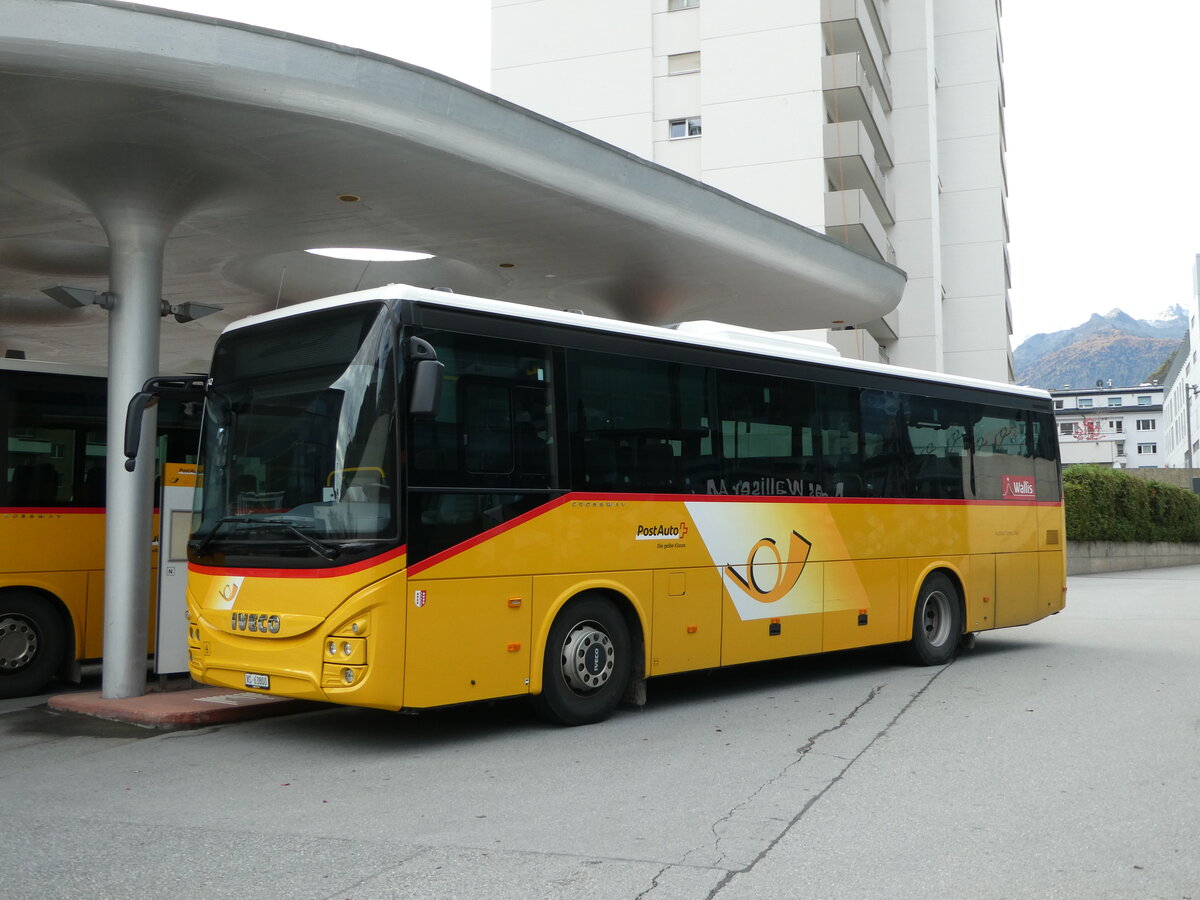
[
  {"x": 936, "y": 618},
  {"x": 18, "y": 642},
  {"x": 587, "y": 658}
]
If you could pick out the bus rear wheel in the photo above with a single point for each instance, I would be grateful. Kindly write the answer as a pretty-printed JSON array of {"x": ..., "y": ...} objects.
[
  {"x": 587, "y": 662},
  {"x": 32, "y": 642},
  {"x": 937, "y": 622}
]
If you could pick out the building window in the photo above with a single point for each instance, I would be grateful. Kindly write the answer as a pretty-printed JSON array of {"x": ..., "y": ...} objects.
[
  {"x": 1143, "y": 401},
  {"x": 1085, "y": 402},
  {"x": 673, "y": 5},
  {"x": 1117, "y": 426},
  {"x": 1120, "y": 448},
  {"x": 1066, "y": 428},
  {"x": 1145, "y": 424},
  {"x": 1147, "y": 448},
  {"x": 685, "y": 128},
  {"x": 683, "y": 63},
  {"x": 1114, "y": 401},
  {"x": 1058, "y": 404}
]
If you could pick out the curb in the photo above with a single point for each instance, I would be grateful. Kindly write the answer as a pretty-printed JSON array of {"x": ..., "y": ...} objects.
[{"x": 194, "y": 708}]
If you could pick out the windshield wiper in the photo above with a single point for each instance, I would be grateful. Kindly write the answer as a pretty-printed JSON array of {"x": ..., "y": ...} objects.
[
  {"x": 203, "y": 543},
  {"x": 319, "y": 547},
  {"x": 322, "y": 549}
]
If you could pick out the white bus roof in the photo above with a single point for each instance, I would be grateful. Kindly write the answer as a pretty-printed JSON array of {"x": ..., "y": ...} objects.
[
  {"x": 45, "y": 367},
  {"x": 701, "y": 333}
]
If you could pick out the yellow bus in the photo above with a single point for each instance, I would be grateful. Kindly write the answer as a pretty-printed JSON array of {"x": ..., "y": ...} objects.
[
  {"x": 412, "y": 499},
  {"x": 52, "y": 497}
]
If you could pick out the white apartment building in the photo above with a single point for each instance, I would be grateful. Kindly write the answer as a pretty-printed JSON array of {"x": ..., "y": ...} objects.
[
  {"x": 1117, "y": 427},
  {"x": 879, "y": 122},
  {"x": 1183, "y": 393}
]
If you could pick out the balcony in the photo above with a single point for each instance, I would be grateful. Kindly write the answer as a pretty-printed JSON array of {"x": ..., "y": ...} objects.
[
  {"x": 850, "y": 218},
  {"x": 850, "y": 163},
  {"x": 854, "y": 26},
  {"x": 850, "y": 95}
]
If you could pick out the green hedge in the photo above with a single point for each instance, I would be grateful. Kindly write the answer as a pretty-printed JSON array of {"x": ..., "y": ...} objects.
[{"x": 1110, "y": 505}]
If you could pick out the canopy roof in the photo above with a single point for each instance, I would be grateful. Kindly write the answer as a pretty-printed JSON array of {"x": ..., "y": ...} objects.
[{"x": 253, "y": 146}]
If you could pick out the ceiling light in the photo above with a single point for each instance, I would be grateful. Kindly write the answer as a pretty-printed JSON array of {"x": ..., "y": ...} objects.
[{"x": 370, "y": 254}]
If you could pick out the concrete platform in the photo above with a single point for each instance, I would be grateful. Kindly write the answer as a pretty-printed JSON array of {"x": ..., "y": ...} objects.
[{"x": 180, "y": 709}]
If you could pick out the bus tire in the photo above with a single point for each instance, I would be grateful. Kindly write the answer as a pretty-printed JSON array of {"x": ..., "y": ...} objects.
[
  {"x": 32, "y": 643},
  {"x": 586, "y": 667},
  {"x": 937, "y": 622}
]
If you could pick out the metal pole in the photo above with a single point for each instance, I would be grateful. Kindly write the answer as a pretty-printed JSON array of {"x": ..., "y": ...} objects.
[{"x": 136, "y": 268}]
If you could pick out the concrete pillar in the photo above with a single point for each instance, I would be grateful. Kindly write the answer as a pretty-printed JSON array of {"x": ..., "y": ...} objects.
[{"x": 136, "y": 267}]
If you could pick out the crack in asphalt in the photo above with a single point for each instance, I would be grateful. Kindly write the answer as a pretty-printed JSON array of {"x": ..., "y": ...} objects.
[{"x": 803, "y": 752}]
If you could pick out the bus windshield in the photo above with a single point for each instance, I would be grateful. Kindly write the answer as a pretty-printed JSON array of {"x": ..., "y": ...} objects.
[{"x": 298, "y": 446}]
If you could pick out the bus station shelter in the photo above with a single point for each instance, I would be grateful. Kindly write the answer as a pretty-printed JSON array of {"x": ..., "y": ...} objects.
[{"x": 168, "y": 164}]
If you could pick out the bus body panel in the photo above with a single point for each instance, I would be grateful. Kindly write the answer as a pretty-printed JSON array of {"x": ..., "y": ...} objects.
[
  {"x": 979, "y": 592},
  {"x": 686, "y": 626},
  {"x": 448, "y": 632},
  {"x": 862, "y": 603},
  {"x": 306, "y": 657},
  {"x": 468, "y": 638}
]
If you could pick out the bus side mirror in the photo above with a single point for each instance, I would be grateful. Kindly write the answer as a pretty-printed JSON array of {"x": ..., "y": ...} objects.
[
  {"x": 426, "y": 378},
  {"x": 186, "y": 387},
  {"x": 141, "y": 402}
]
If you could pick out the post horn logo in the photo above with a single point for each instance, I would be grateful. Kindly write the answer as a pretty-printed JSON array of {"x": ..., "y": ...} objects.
[
  {"x": 789, "y": 572},
  {"x": 228, "y": 592}
]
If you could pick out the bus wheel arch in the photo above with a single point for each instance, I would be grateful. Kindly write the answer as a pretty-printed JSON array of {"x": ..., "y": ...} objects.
[
  {"x": 592, "y": 658},
  {"x": 937, "y": 620},
  {"x": 36, "y": 640}
]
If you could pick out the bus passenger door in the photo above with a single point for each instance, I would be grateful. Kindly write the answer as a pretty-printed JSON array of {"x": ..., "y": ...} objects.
[{"x": 467, "y": 639}]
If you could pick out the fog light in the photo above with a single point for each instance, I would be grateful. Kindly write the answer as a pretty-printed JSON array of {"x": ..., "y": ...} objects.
[
  {"x": 346, "y": 648},
  {"x": 333, "y": 648},
  {"x": 348, "y": 676}
]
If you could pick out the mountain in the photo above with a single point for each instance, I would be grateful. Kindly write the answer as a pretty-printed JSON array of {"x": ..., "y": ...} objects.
[{"x": 1115, "y": 346}]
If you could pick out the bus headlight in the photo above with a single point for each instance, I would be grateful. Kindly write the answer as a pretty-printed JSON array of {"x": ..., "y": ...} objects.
[{"x": 346, "y": 650}]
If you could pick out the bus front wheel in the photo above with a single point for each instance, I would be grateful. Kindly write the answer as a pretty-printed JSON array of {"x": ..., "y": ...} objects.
[
  {"x": 937, "y": 622},
  {"x": 587, "y": 663},
  {"x": 32, "y": 643}
]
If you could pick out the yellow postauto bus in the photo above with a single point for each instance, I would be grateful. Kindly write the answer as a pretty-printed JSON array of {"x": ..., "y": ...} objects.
[
  {"x": 52, "y": 498},
  {"x": 412, "y": 499}
]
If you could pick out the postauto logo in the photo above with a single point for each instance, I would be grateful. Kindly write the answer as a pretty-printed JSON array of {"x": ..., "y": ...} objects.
[{"x": 661, "y": 532}]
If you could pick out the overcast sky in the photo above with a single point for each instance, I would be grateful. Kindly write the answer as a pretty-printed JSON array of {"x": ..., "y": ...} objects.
[{"x": 1101, "y": 125}]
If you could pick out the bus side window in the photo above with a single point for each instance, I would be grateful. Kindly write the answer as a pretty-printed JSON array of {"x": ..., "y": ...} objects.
[
  {"x": 767, "y": 434},
  {"x": 840, "y": 452},
  {"x": 887, "y": 452},
  {"x": 1045, "y": 457},
  {"x": 1001, "y": 452},
  {"x": 937, "y": 431},
  {"x": 638, "y": 425},
  {"x": 493, "y": 427},
  {"x": 487, "y": 426}
]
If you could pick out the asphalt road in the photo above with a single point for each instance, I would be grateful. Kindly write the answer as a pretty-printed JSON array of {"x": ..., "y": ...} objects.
[{"x": 1056, "y": 760}]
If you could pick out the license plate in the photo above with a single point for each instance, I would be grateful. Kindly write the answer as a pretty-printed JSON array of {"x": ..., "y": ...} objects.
[{"x": 262, "y": 682}]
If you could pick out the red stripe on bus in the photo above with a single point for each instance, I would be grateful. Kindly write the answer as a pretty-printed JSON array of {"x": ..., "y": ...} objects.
[
  {"x": 52, "y": 510},
  {"x": 489, "y": 534},
  {"x": 335, "y": 572},
  {"x": 789, "y": 498}
]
